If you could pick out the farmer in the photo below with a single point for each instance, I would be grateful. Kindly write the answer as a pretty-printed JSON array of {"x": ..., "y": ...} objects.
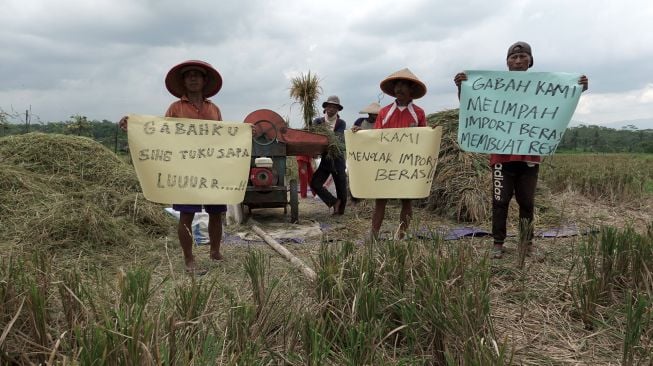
[
  {"x": 404, "y": 86},
  {"x": 332, "y": 165},
  {"x": 514, "y": 174},
  {"x": 366, "y": 123},
  {"x": 193, "y": 82}
]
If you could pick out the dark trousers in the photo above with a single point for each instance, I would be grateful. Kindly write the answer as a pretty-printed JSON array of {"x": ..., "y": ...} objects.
[
  {"x": 508, "y": 178},
  {"x": 335, "y": 168}
]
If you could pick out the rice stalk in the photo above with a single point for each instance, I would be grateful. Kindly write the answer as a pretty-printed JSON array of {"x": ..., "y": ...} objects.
[
  {"x": 639, "y": 308},
  {"x": 461, "y": 184},
  {"x": 305, "y": 89}
]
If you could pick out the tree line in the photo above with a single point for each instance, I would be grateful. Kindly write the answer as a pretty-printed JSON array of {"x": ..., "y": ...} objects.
[
  {"x": 576, "y": 139},
  {"x": 606, "y": 140},
  {"x": 105, "y": 132}
]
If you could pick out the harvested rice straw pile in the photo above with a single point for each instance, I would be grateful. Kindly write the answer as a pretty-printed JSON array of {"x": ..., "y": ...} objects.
[
  {"x": 62, "y": 190},
  {"x": 461, "y": 186},
  {"x": 336, "y": 146}
]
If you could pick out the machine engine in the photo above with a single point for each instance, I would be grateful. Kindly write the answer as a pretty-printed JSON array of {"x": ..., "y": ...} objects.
[{"x": 263, "y": 177}]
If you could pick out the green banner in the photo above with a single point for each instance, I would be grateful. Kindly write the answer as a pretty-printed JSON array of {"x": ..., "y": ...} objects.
[{"x": 516, "y": 112}]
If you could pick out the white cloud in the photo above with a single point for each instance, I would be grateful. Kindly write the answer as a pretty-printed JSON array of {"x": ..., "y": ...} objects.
[
  {"x": 647, "y": 96},
  {"x": 109, "y": 57},
  {"x": 607, "y": 107}
]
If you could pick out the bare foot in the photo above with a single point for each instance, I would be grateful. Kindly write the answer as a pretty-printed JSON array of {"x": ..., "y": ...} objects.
[
  {"x": 216, "y": 256},
  {"x": 336, "y": 207},
  {"x": 196, "y": 271},
  {"x": 190, "y": 263},
  {"x": 192, "y": 269}
]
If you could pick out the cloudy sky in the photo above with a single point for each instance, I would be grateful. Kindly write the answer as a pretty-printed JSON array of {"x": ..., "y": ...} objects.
[{"x": 107, "y": 58}]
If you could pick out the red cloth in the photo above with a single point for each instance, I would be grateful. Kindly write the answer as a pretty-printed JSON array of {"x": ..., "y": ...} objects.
[
  {"x": 500, "y": 158},
  {"x": 400, "y": 119},
  {"x": 305, "y": 172},
  {"x": 183, "y": 108}
]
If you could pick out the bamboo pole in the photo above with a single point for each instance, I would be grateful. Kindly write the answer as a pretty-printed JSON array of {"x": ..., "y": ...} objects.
[{"x": 285, "y": 253}]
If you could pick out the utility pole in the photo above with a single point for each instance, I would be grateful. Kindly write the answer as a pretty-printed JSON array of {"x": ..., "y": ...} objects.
[
  {"x": 27, "y": 119},
  {"x": 115, "y": 139}
]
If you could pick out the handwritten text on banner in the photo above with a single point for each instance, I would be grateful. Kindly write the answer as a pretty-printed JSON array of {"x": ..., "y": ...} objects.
[
  {"x": 190, "y": 161},
  {"x": 520, "y": 113},
  {"x": 393, "y": 162}
]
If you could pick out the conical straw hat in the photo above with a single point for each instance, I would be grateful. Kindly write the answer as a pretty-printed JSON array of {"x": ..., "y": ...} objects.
[
  {"x": 372, "y": 108},
  {"x": 175, "y": 78},
  {"x": 387, "y": 85}
]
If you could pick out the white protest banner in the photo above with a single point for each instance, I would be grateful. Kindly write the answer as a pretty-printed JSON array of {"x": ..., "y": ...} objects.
[
  {"x": 511, "y": 112},
  {"x": 190, "y": 161},
  {"x": 392, "y": 162}
]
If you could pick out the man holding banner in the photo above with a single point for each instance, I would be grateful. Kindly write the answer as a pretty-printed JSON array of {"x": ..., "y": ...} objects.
[
  {"x": 404, "y": 86},
  {"x": 515, "y": 130},
  {"x": 193, "y": 82}
]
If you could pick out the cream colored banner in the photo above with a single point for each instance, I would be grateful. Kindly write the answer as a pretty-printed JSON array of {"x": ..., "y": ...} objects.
[
  {"x": 190, "y": 161},
  {"x": 392, "y": 162}
]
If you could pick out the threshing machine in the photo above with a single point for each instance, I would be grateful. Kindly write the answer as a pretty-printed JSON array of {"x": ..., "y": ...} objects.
[{"x": 272, "y": 142}]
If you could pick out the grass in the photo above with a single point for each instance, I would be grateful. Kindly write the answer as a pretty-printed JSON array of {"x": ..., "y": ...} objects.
[
  {"x": 611, "y": 266},
  {"x": 421, "y": 301},
  {"x": 394, "y": 302},
  {"x": 648, "y": 186},
  {"x": 639, "y": 310},
  {"x": 611, "y": 177}
]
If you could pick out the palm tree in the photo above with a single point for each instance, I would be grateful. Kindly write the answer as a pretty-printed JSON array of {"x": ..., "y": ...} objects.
[
  {"x": 305, "y": 89},
  {"x": 78, "y": 125}
]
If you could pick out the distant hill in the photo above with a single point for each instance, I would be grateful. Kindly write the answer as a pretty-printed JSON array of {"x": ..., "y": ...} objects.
[{"x": 640, "y": 124}]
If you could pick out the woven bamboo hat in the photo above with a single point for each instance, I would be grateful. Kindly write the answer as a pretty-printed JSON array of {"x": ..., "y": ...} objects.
[
  {"x": 175, "y": 78},
  {"x": 372, "y": 108},
  {"x": 387, "y": 85}
]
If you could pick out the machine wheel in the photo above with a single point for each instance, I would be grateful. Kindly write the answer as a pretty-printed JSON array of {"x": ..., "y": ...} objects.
[
  {"x": 266, "y": 132},
  {"x": 294, "y": 202}
]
